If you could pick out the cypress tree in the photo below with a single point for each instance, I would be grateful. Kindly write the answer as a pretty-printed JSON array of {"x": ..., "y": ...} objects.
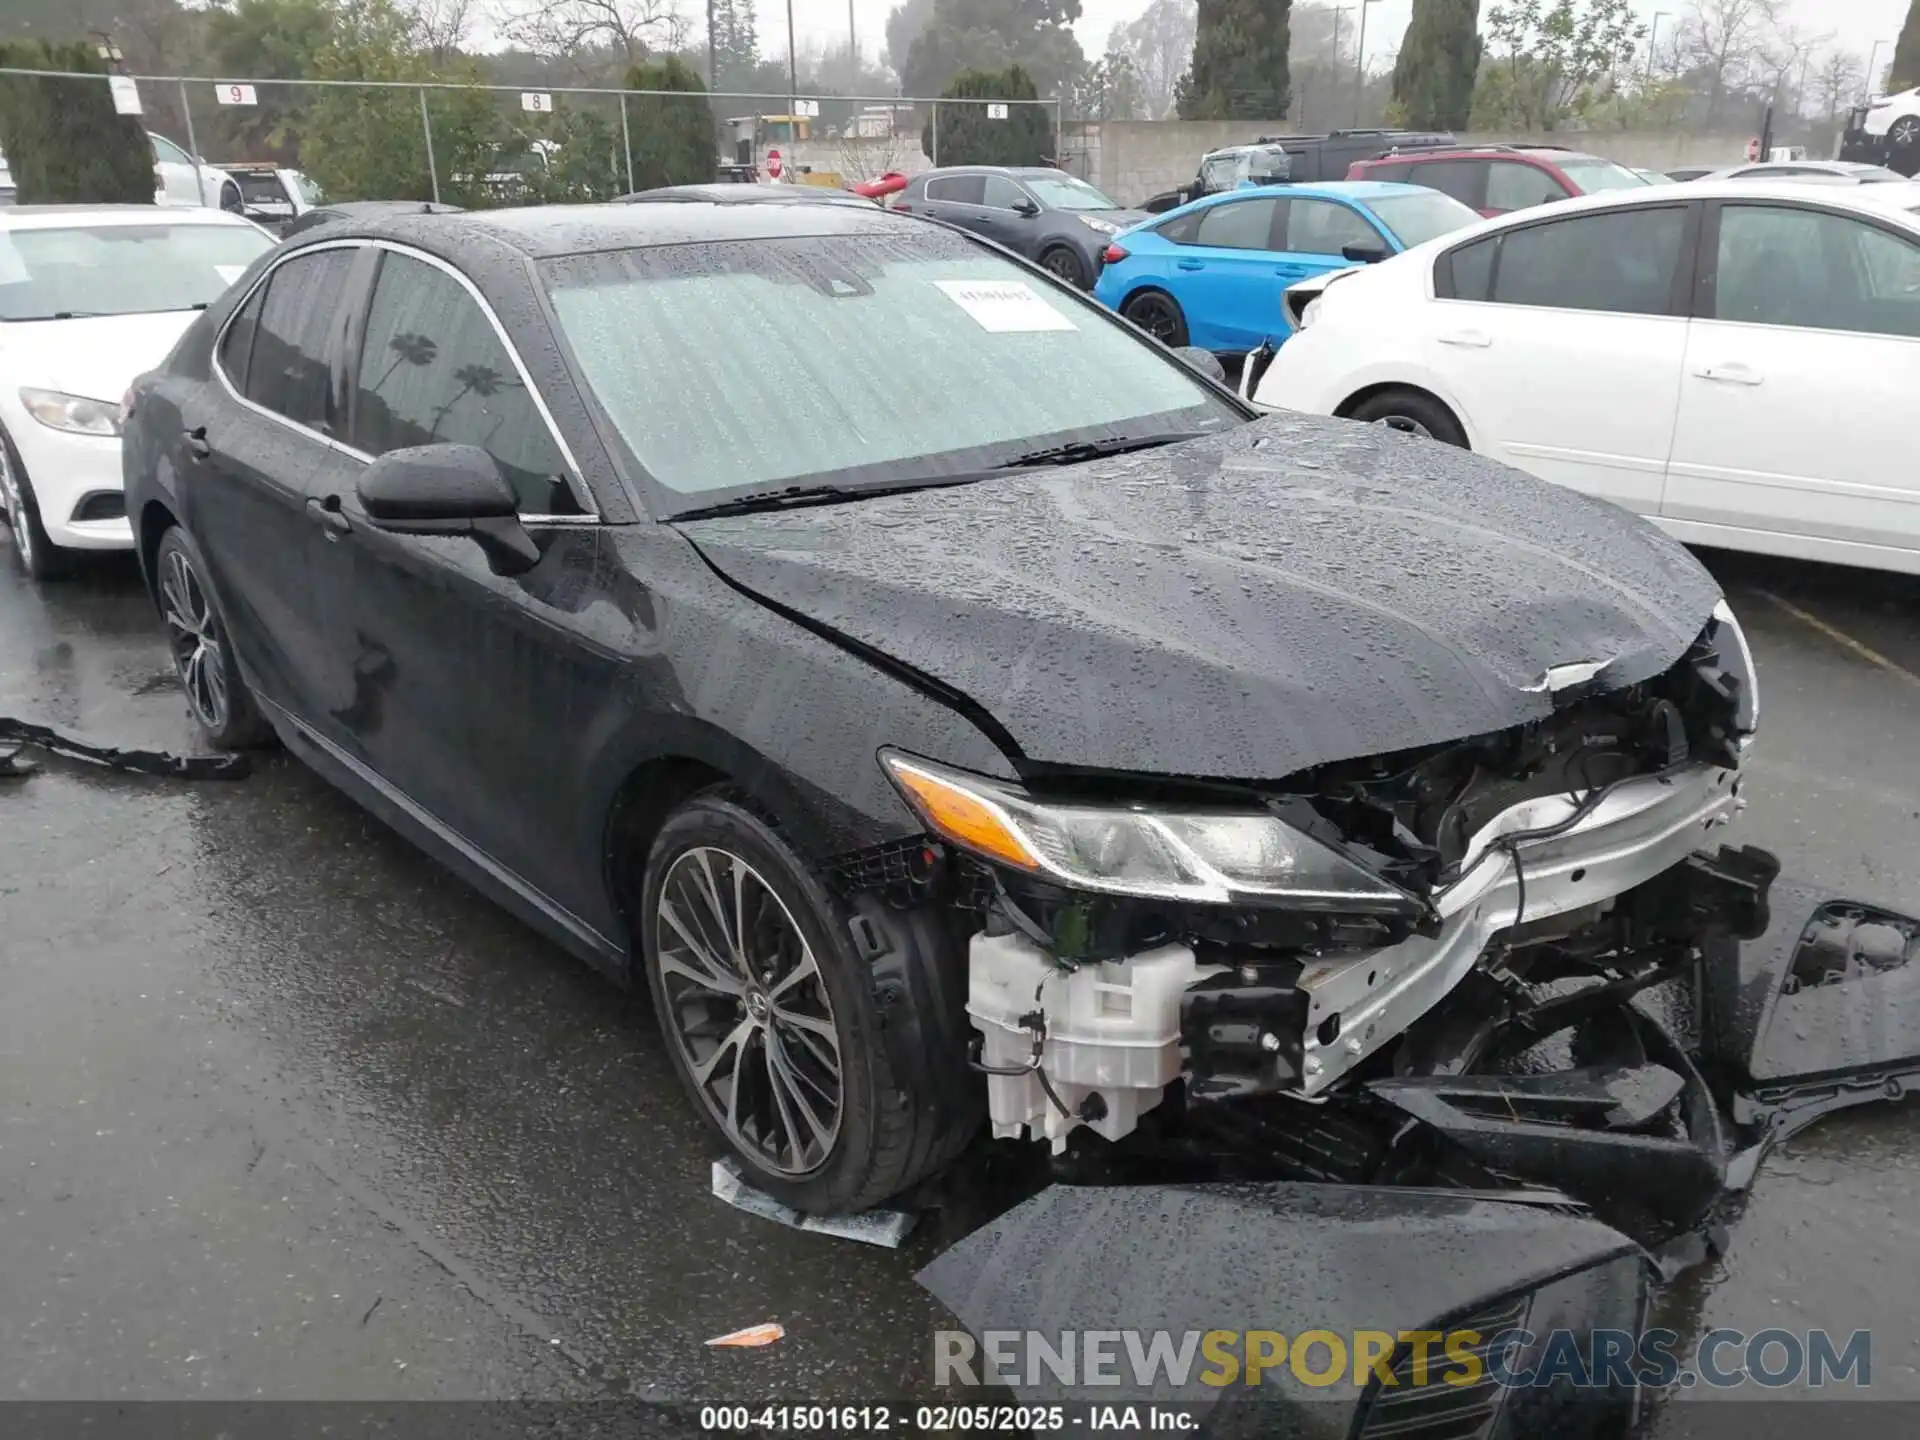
[
  {"x": 63, "y": 140},
  {"x": 1439, "y": 61},
  {"x": 1906, "y": 54},
  {"x": 968, "y": 137},
  {"x": 673, "y": 140},
  {"x": 1239, "y": 69}
]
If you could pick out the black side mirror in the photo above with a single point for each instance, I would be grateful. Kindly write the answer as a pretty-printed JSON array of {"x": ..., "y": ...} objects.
[
  {"x": 1026, "y": 208},
  {"x": 449, "y": 490},
  {"x": 1205, "y": 361},
  {"x": 1366, "y": 254}
]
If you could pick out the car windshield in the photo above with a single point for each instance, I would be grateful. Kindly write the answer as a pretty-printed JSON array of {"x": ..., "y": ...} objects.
[
  {"x": 1419, "y": 217},
  {"x": 81, "y": 270},
  {"x": 1063, "y": 192},
  {"x": 871, "y": 360},
  {"x": 1592, "y": 176}
]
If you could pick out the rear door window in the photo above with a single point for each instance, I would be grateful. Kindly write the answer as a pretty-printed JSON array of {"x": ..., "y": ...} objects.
[
  {"x": 1625, "y": 262},
  {"x": 1464, "y": 180},
  {"x": 1238, "y": 225},
  {"x": 1390, "y": 170},
  {"x": 958, "y": 189},
  {"x": 289, "y": 370},
  {"x": 433, "y": 370},
  {"x": 236, "y": 346}
]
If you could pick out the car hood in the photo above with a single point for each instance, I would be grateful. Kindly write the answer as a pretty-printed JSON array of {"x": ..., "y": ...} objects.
[
  {"x": 1125, "y": 219},
  {"x": 97, "y": 358},
  {"x": 1292, "y": 592}
]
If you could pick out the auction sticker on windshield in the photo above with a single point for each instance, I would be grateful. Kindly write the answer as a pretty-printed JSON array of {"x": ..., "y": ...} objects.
[{"x": 1004, "y": 305}]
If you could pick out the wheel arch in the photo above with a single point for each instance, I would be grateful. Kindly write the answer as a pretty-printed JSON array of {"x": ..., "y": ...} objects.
[
  {"x": 685, "y": 760},
  {"x": 154, "y": 520},
  {"x": 1344, "y": 410}
]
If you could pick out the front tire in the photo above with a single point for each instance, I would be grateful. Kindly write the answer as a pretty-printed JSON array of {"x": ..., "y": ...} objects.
[
  {"x": 769, "y": 1014},
  {"x": 1904, "y": 132},
  {"x": 202, "y": 654},
  {"x": 1064, "y": 263},
  {"x": 1413, "y": 413},
  {"x": 39, "y": 556}
]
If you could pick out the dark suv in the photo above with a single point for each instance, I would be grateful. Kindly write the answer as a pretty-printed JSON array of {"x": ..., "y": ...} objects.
[
  {"x": 1044, "y": 214},
  {"x": 1291, "y": 159},
  {"x": 1496, "y": 179}
]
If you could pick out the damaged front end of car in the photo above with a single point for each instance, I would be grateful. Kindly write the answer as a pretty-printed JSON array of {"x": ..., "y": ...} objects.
[{"x": 1487, "y": 967}]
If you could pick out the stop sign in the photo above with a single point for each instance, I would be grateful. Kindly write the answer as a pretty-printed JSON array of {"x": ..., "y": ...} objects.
[{"x": 773, "y": 164}]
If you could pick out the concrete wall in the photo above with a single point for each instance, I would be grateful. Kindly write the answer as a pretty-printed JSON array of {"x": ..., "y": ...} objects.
[{"x": 1132, "y": 159}]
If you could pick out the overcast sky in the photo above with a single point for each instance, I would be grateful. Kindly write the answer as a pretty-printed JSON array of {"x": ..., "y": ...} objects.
[{"x": 1855, "y": 24}]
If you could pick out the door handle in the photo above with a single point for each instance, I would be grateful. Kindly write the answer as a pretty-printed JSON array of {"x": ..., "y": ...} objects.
[
  {"x": 1468, "y": 339},
  {"x": 197, "y": 446},
  {"x": 1190, "y": 264},
  {"x": 329, "y": 516},
  {"x": 1731, "y": 374}
]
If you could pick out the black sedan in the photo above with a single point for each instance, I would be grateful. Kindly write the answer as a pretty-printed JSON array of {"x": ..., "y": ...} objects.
[{"x": 952, "y": 705}]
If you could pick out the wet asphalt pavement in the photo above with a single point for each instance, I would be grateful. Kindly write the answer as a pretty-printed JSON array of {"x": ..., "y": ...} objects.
[{"x": 287, "y": 1111}]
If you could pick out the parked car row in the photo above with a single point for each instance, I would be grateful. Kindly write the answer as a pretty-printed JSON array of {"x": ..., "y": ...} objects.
[{"x": 1736, "y": 359}]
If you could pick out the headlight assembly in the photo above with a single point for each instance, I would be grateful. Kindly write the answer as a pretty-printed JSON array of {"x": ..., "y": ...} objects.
[
  {"x": 1105, "y": 227},
  {"x": 75, "y": 414},
  {"x": 1198, "y": 856}
]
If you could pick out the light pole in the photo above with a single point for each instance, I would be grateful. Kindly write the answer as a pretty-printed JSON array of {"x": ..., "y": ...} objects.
[
  {"x": 1873, "y": 59},
  {"x": 1360, "y": 64},
  {"x": 1652, "y": 31}
]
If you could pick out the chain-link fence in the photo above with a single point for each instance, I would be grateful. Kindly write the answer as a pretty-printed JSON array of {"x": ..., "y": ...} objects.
[{"x": 485, "y": 145}]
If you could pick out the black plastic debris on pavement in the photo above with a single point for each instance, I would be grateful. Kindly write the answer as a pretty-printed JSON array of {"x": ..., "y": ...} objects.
[{"x": 18, "y": 733}]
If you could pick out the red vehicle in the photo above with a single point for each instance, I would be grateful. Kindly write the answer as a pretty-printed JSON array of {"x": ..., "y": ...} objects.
[{"x": 1496, "y": 179}]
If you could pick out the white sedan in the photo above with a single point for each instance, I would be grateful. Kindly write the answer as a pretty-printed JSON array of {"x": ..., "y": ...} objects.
[
  {"x": 89, "y": 299},
  {"x": 1739, "y": 361}
]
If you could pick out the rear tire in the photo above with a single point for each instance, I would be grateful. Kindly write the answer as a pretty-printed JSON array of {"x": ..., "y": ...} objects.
[
  {"x": 1904, "y": 132},
  {"x": 770, "y": 1018},
  {"x": 39, "y": 556},
  {"x": 1412, "y": 412},
  {"x": 1159, "y": 314},
  {"x": 202, "y": 654}
]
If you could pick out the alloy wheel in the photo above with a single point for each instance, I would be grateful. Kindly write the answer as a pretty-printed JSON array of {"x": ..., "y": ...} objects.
[
  {"x": 16, "y": 502},
  {"x": 1905, "y": 130},
  {"x": 199, "y": 653},
  {"x": 1156, "y": 317},
  {"x": 1406, "y": 425},
  {"x": 1063, "y": 264},
  {"x": 748, "y": 1008}
]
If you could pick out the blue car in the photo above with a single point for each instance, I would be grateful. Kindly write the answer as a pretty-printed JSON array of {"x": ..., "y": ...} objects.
[{"x": 1212, "y": 272}]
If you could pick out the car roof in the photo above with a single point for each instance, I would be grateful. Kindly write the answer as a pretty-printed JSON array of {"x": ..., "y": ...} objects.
[
  {"x": 1888, "y": 199},
  {"x": 1548, "y": 154},
  {"x": 1018, "y": 172},
  {"x": 721, "y": 193},
  {"x": 545, "y": 231},
  {"x": 43, "y": 217}
]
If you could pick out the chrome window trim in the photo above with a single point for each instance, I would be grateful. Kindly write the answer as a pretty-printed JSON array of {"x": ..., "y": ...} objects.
[
  {"x": 220, "y": 340},
  {"x": 575, "y": 481}
]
